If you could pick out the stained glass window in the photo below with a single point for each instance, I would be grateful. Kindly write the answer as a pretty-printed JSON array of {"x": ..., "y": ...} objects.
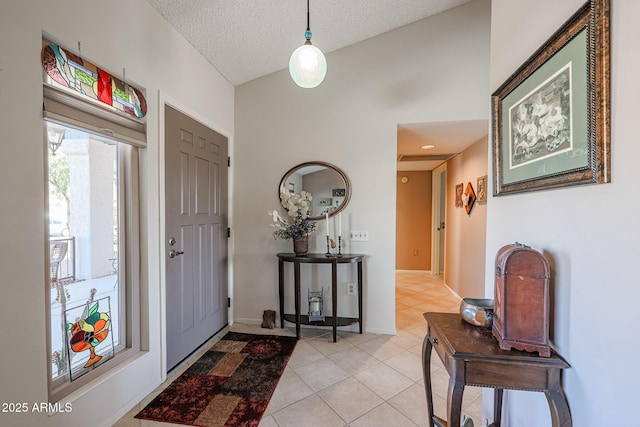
[
  {"x": 88, "y": 336},
  {"x": 68, "y": 70}
]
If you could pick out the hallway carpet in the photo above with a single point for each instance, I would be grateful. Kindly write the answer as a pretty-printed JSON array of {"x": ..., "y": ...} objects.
[{"x": 231, "y": 384}]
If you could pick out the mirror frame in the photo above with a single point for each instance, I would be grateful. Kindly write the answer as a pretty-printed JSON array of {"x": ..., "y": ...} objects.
[{"x": 347, "y": 184}]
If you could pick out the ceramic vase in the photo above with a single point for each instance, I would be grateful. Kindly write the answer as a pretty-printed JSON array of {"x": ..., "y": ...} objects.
[{"x": 301, "y": 245}]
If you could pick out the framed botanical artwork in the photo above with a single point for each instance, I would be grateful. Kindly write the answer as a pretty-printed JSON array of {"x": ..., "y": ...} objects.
[
  {"x": 551, "y": 118},
  {"x": 482, "y": 189},
  {"x": 459, "y": 189}
]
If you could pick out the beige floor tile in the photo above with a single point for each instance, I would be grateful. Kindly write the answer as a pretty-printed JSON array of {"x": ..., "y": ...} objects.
[
  {"x": 326, "y": 346},
  {"x": 303, "y": 354},
  {"x": 383, "y": 415},
  {"x": 472, "y": 409},
  {"x": 440, "y": 382},
  {"x": 440, "y": 407},
  {"x": 418, "y": 329},
  {"x": 405, "y": 300},
  {"x": 128, "y": 420},
  {"x": 312, "y": 332},
  {"x": 350, "y": 399},
  {"x": 321, "y": 374},
  {"x": 472, "y": 392},
  {"x": 408, "y": 364},
  {"x": 436, "y": 362},
  {"x": 308, "y": 412},
  {"x": 383, "y": 380},
  {"x": 241, "y": 328},
  {"x": 353, "y": 360},
  {"x": 417, "y": 349},
  {"x": 147, "y": 423},
  {"x": 290, "y": 389},
  {"x": 412, "y": 402},
  {"x": 356, "y": 338},
  {"x": 267, "y": 421},
  {"x": 381, "y": 347},
  {"x": 411, "y": 313},
  {"x": 405, "y": 340}
]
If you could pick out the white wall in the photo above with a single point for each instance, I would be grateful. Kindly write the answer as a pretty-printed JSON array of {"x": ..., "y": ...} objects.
[
  {"x": 590, "y": 233},
  {"x": 433, "y": 70},
  {"x": 121, "y": 34}
]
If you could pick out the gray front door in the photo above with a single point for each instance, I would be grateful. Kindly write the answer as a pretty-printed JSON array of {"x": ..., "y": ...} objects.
[{"x": 196, "y": 234}]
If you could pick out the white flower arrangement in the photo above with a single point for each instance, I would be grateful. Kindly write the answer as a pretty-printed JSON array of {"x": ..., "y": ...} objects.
[{"x": 298, "y": 208}]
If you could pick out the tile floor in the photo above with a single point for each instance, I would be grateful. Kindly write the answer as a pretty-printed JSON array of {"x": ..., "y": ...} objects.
[{"x": 364, "y": 380}]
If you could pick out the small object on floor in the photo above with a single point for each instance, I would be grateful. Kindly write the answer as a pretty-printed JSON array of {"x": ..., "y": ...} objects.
[{"x": 269, "y": 319}]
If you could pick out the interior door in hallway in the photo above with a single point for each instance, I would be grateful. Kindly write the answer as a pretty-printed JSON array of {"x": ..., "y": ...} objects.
[
  {"x": 439, "y": 213},
  {"x": 196, "y": 233},
  {"x": 442, "y": 215}
]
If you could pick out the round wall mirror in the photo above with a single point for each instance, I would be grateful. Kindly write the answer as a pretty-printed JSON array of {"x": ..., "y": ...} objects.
[{"x": 329, "y": 186}]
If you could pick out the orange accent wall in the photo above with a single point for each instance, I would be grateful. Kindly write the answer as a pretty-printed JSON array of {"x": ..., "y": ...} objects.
[{"x": 413, "y": 221}]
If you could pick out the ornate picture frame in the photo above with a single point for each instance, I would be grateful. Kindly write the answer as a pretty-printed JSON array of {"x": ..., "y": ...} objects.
[
  {"x": 469, "y": 198},
  {"x": 482, "y": 189},
  {"x": 459, "y": 190},
  {"x": 551, "y": 118}
]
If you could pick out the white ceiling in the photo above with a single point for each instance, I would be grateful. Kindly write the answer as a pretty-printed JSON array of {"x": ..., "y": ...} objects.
[
  {"x": 247, "y": 39},
  {"x": 449, "y": 138}
]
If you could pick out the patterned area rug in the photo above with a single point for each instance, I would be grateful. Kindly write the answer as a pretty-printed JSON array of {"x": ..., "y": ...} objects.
[{"x": 230, "y": 385}]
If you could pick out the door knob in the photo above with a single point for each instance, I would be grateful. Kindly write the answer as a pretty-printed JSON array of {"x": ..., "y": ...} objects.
[{"x": 173, "y": 253}]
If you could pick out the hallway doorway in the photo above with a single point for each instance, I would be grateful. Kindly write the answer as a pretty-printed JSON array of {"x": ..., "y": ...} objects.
[
  {"x": 439, "y": 216},
  {"x": 453, "y": 152}
]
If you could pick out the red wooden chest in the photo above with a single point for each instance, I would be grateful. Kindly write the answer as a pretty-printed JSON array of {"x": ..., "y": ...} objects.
[{"x": 521, "y": 300}]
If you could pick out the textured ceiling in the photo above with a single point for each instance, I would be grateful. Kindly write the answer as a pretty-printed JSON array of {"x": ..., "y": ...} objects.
[{"x": 246, "y": 39}]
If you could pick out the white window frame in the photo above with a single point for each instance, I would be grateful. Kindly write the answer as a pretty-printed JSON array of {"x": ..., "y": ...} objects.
[{"x": 128, "y": 267}]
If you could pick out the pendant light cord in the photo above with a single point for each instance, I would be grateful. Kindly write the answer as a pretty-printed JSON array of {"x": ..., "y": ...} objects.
[{"x": 308, "y": 29}]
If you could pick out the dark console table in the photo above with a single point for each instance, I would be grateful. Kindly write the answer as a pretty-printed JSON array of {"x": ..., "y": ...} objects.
[
  {"x": 333, "y": 320},
  {"x": 472, "y": 356}
]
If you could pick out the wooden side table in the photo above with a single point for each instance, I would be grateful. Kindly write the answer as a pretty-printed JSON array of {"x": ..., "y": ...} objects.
[
  {"x": 472, "y": 356},
  {"x": 333, "y": 320}
]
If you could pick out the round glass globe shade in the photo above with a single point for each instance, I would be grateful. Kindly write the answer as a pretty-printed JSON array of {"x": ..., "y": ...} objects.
[{"x": 307, "y": 66}]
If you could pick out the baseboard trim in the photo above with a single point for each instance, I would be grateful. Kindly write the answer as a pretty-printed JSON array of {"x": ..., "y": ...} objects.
[
  {"x": 350, "y": 328},
  {"x": 454, "y": 293},
  {"x": 414, "y": 271}
]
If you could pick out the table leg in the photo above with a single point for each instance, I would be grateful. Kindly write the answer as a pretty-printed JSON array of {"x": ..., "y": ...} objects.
[
  {"x": 497, "y": 406},
  {"x": 454, "y": 402},
  {"x": 360, "y": 295},
  {"x": 281, "y": 290},
  {"x": 334, "y": 297},
  {"x": 560, "y": 414},
  {"x": 296, "y": 285},
  {"x": 426, "y": 374}
]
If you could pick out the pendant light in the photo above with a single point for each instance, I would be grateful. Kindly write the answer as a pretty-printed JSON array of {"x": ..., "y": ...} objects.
[{"x": 307, "y": 64}]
